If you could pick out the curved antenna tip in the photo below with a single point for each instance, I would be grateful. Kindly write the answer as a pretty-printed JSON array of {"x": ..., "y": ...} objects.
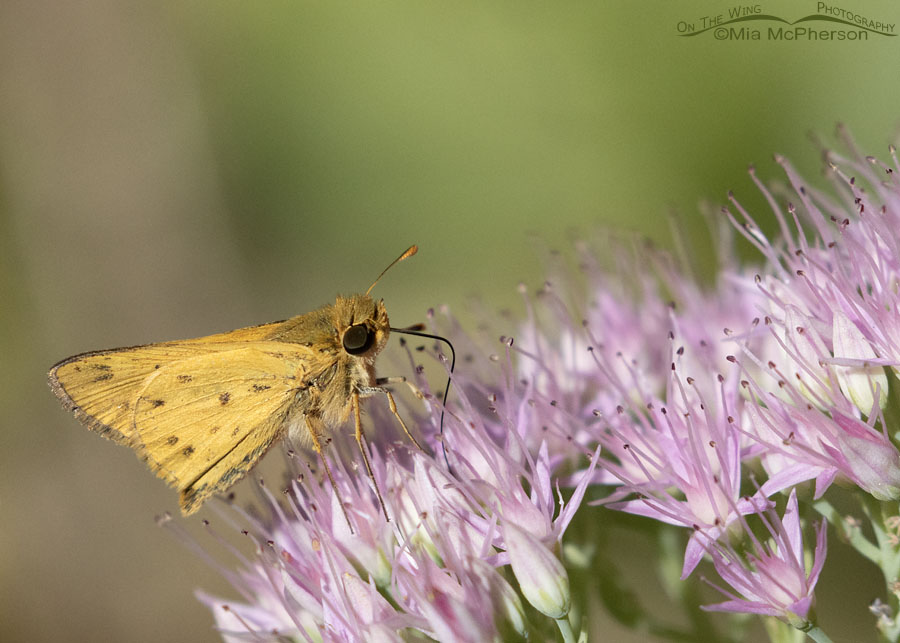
[{"x": 409, "y": 252}]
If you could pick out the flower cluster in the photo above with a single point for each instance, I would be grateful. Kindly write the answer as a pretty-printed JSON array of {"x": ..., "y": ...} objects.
[
  {"x": 444, "y": 562},
  {"x": 628, "y": 380}
]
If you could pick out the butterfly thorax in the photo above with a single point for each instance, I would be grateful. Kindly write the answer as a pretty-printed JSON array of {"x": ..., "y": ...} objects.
[{"x": 333, "y": 373}]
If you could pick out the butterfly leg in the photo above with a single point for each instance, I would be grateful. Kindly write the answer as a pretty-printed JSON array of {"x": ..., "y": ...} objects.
[
  {"x": 315, "y": 434},
  {"x": 399, "y": 379},
  {"x": 365, "y": 455},
  {"x": 371, "y": 390}
]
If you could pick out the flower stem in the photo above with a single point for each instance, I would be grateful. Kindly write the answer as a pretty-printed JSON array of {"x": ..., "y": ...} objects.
[
  {"x": 816, "y": 634},
  {"x": 565, "y": 629},
  {"x": 849, "y": 531}
]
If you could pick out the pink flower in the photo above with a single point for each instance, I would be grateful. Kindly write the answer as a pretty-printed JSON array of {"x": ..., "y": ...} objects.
[
  {"x": 771, "y": 577},
  {"x": 684, "y": 463}
]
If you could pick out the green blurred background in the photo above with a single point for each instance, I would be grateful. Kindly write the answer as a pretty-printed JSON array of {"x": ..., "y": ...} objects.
[{"x": 174, "y": 169}]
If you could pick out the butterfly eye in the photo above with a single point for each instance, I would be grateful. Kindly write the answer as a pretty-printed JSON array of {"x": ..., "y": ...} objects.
[{"x": 358, "y": 339}]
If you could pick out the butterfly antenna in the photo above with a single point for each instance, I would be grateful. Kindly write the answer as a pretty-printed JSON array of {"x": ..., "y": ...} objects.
[
  {"x": 407, "y": 331},
  {"x": 409, "y": 252}
]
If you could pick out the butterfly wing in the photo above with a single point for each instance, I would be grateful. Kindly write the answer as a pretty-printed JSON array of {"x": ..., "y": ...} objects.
[{"x": 200, "y": 413}]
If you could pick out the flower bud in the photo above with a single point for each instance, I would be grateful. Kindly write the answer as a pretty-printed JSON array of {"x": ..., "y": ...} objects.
[
  {"x": 542, "y": 578},
  {"x": 874, "y": 465}
]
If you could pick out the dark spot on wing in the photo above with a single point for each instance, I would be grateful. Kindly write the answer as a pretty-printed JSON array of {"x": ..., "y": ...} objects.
[
  {"x": 184, "y": 379},
  {"x": 275, "y": 354},
  {"x": 214, "y": 429},
  {"x": 224, "y": 398},
  {"x": 101, "y": 367},
  {"x": 172, "y": 441},
  {"x": 157, "y": 403},
  {"x": 188, "y": 450},
  {"x": 104, "y": 377},
  {"x": 258, "y": 388},
  {"x": 237, "y": 430},
  {"x": 77, "y": 369},
  {"x": 156, "y": 366}
]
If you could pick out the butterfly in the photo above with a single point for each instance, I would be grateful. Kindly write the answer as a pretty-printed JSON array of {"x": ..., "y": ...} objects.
[{"x": 202, "y": 412}]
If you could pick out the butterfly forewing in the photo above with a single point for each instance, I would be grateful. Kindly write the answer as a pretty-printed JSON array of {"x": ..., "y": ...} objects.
[{"x": 102, "y": 387}]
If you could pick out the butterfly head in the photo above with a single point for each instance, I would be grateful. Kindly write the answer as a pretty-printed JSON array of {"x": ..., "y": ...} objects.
[{"x": 364, "y": 326}]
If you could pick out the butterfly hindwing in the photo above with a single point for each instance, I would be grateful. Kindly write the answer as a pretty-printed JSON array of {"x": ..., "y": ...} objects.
[{"x": 202, "y": 422}]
